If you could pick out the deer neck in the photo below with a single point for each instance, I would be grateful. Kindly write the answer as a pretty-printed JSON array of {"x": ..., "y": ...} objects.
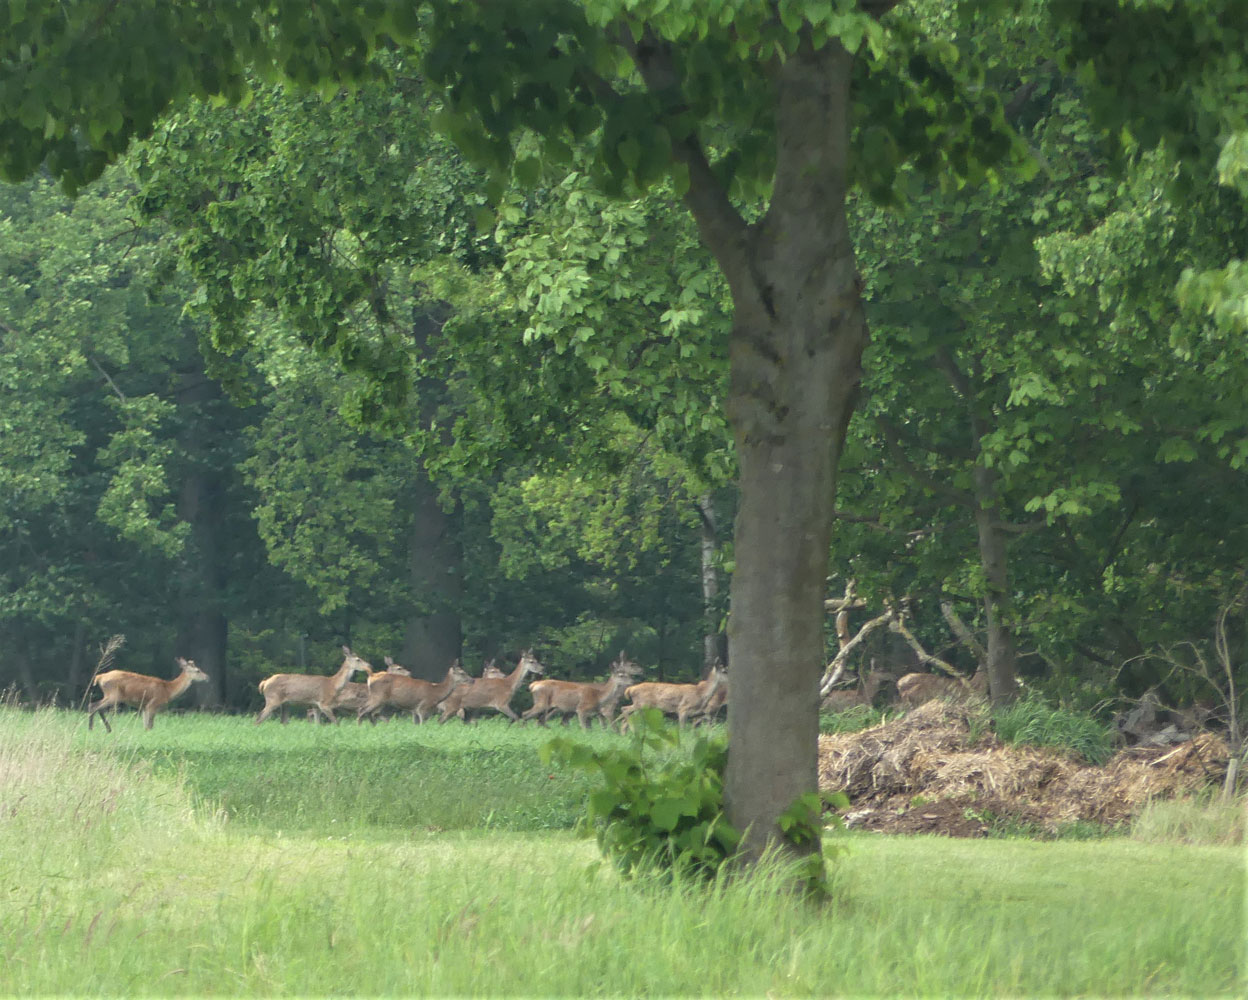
[
  {"x": 179, "y": 684},
  {"x": 514, "y": 678},
  {"x": 445, "y": 685},
  {"x": 344, "y": 674}
]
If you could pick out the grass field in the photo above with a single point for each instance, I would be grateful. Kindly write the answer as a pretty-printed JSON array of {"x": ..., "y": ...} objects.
[{"x": 209, "y": 856}]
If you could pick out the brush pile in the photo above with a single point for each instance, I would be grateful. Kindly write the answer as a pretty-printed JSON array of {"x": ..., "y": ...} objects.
[{"x": 939, "y": 769}]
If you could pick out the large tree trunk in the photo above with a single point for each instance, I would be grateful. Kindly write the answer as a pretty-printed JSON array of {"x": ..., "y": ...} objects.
[
  {"x": 433, "y": 636},
  {"x": 797, "y": 341}
]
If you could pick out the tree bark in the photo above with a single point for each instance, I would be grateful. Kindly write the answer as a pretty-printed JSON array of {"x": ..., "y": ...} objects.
[
  {"x": 797, "y": 341},
  {"x": 1001, "y": 656},
  {"x": 202, "y": 626},
  {"x": 433, "y": 634},
  {"x": 203, "y": 630}
]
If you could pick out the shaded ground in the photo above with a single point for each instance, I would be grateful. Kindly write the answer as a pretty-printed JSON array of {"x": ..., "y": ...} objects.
[{"x": 940, "y": 770}]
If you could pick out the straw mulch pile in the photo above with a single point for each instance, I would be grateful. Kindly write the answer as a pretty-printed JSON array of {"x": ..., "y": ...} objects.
[{"x": 924, "y": 772}]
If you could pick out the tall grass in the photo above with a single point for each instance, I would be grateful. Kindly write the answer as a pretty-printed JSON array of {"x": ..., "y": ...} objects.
[
  {"x": 163, "y": 898},
  {"x": 1200, "y": 819},
  {"x": 1031, "y": 721}
]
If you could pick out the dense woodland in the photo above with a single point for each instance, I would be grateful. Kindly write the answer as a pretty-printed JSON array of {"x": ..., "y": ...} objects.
[{"x": 314, "y": 366}]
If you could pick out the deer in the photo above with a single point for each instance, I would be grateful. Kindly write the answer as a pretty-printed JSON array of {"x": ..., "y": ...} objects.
[
  {"x": 148, "y": 694},
  {"x": 494, "y": 693},
  {"x": 915, "y": 689},
  {"x": 680, "y": 700},
  {"x": 354, "y": 695},
  {"x": 489, "y": 672},
  {"x": 713, "y": 705},
  {"x": 310, "y": 689},
  {"x": 586, "y": 700},
  {"x": 840, "y": 699},
  {"x": 408, "y": 693}
]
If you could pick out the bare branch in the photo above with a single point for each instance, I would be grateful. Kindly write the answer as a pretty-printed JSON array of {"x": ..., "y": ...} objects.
[{"x": 963, "y": 632}]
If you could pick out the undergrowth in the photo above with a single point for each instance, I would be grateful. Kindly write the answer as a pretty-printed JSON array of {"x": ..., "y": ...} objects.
[{"x": 1032, "y": 722}]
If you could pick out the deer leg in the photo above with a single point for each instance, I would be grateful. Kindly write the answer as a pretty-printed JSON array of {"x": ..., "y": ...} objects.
[
  {"x": 266, "y": 712},
  {"x": 149, "y": 714},
  {"x": 99, "y": 706}
]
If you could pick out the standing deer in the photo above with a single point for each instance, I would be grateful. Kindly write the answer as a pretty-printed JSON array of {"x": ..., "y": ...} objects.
[
  {"x": 310, "y": 689},
  {"x": 148, "y": 694},
  {"x": 586, "y": 700},
  {"x": 680, "y": 700},
  {"x": 915, "y": 689},
  {"x": 838, "y": 700},
  {"x": 411, "y": 694},
  {"x": 494, "y": 693}
]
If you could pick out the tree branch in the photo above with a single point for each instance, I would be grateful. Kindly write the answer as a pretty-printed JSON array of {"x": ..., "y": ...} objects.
[
  {"x": 961, "y": 497},
  {"x": 724, "y": 231}
]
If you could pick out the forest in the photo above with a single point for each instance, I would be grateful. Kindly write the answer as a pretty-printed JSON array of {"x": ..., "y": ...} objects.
[{"x": 441, "y": 343}]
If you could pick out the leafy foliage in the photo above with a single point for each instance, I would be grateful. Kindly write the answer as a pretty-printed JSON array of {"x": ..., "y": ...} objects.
[{"x": 655, "y": 809}]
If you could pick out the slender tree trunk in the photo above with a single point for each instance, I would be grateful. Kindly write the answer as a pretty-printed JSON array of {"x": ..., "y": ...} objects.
[
  {"x": 993, "y": 556},
  {"x": 203, "y": 630},
  {"x": 202, "y": 627},
  {"x": 797, "y": 341},
  {"x": 711, "y": 635}
]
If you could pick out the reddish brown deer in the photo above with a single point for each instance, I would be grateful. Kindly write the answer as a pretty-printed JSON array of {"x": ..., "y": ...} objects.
[
  {"x": 455, "y": 701},
  {"x": 680, "y": 700},
  {"x": 493, "y": 693},
  {"x": 148, "y": 694},
  {"x": 354, "y": 696},
  {"x": 411, "y": 694},
  {"x": 310, "y": 689},
  {"x": 915, "y": 689},
  {"x": 714, "y": 705},
  {"x": 863, "y": 693},
  {"x": 586, "y": 700}
]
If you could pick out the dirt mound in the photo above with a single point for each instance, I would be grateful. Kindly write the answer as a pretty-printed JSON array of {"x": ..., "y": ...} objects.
[{"x": 940, "y": 770}]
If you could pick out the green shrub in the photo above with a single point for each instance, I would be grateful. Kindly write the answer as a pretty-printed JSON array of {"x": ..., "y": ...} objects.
[
  {"x": 657, "y": 809},
  {"x": 1030, "y": 721},
  {"x": 661, "y": 810}
]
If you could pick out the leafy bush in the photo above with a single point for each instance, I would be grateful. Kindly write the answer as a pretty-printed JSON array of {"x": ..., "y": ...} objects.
[
  {"x": 664, "y": 811},
  {"x": 1031, "y": 721},
  {"x": 657, "y": 809}
]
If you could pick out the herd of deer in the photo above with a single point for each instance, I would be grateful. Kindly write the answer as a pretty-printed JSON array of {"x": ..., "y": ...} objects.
[{"x": 458, "y": 693}]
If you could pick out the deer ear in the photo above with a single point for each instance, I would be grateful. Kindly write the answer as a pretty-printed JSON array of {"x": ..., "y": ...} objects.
[
  {"x": 388, "y": 661},
  {"x": 346, "y": 650}
]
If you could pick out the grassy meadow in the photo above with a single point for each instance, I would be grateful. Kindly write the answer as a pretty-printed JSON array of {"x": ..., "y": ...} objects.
[{"x": 210, "y": 856}]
